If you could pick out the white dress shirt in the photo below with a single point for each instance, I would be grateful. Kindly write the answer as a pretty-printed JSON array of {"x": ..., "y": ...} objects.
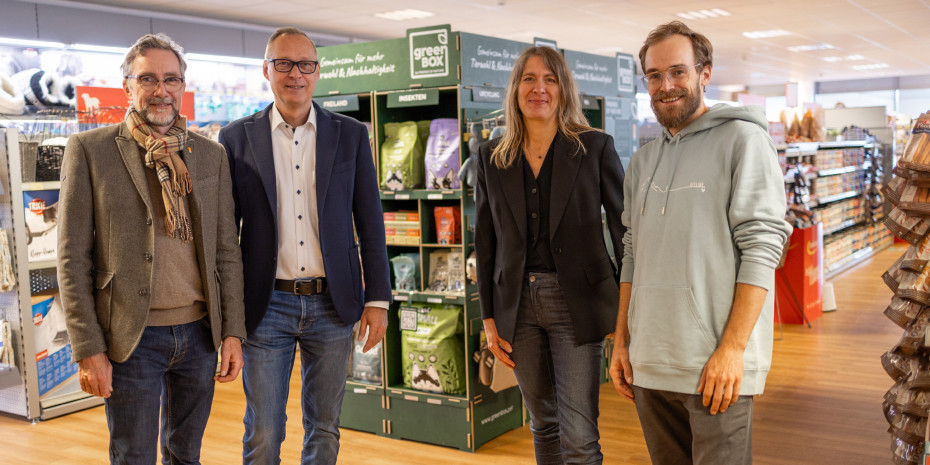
[{"x": 294, "y": 151}]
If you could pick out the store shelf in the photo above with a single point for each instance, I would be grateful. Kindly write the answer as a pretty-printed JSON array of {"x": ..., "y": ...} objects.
[
  {"x": 425, "y": 194},
  {"x": 844, "y": 225},
  {"x": 43, "y": 264},
  {"x": 42, "y": 186},
  {"x": 441, "y": 246},
  {"x": 843, "y": 170},
  {"x": 835, "y": 197},
  {"x": 832, "y": 270},
  {"x": 435, "y": 398},
  {"x": 429, "y": 297}
]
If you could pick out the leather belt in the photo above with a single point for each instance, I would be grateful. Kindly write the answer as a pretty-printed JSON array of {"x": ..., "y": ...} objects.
[{"x": 302, "y": 286}]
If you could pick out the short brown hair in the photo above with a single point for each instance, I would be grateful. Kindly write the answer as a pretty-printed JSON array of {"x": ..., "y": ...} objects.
[
  {"x": 149, "y": 41},
  {"x": 703, "y": 50},
  {"x": 286, "y": 31}
]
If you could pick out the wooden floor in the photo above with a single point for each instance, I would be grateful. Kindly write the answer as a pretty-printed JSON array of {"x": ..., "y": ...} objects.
[{"x": 822, "y": 404}]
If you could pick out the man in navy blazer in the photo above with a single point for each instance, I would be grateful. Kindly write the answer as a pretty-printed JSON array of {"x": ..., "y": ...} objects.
[{"x": 304, "y": 185}]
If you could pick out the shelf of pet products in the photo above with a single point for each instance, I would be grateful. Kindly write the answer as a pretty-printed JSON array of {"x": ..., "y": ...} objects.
[
  {"x": 49, "y": 385},
  {"x": 422, "y": 194},
  {"x": 846, "y": 249}
]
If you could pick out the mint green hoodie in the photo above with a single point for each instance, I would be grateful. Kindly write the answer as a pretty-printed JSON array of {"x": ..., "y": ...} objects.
[{"x": 704, "y": 210}]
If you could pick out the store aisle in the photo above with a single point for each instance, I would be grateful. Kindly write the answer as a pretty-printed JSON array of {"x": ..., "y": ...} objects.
[{"x": 822, "y": 405}]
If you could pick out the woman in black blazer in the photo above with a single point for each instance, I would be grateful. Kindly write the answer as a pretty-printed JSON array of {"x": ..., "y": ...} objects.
[{"x": 548, "y": 288}]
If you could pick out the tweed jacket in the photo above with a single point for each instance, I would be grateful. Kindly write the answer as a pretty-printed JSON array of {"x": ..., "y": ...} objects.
[{"x": 106, "y": 241}]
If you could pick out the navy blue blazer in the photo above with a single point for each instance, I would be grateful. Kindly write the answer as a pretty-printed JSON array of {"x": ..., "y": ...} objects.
[{"x": 346, "y": 190}]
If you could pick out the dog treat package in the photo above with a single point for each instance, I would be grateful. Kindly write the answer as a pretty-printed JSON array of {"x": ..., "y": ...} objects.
[
  {"x": 894, "y": 274},
  {"x": 905, "y": 453},
  {"x": 365, "y": 367},
  {"x": 902, "y": 311},
  {"x": 899, "y": 367},
  {"x": 894, "y": 189},
  {"x": 442, "y": 155},
  {"x": 431, "y": 348},
  {"x": 406, "y": 272},
  {"x": 917, "y": 151},
  {"x": 912, "y": 229},
  {"x": 915, "y": 335},
  {"x": 915, "y": 200},
  {"x": 914, "y": 286},
  {"x": 448, "y": 225},
  {"x": 456, "y": 278},
  {"x": 401, "y": 157},
  {"x": 439, "y": 271}
]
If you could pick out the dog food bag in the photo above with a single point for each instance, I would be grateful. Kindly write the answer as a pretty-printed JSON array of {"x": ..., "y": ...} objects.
[
  {"x": 401, "y": 157},
  {"x": 442, "y": 155},
  {"x": 431, "y": 348},
  {"x": 365, "y": 367},
  {"x": 439, "y": 271}
]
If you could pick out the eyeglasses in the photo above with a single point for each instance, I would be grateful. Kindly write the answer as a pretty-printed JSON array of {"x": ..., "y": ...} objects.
[
  {"x": 283, "y": 65},
  {"x": 149, "y": 82},
  {"x": 675, "y": 75}
]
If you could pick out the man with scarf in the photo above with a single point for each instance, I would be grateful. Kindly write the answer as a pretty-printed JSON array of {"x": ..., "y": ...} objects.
[{"x": 149, "y": 266}]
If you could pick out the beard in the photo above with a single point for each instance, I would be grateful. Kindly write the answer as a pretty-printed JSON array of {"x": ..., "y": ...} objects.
[
  {"x": 158, "y": 119},
  {"x": 675, "y": 118}
]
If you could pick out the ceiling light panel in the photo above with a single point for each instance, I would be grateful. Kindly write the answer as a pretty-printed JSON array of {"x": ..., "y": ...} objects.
[
  {"x": 870, "y": 67},
  {"x": 404, "y": 15},
  {"x": 766, "y": 34},
  {"x": 703, "y": 14},
  {"x": 810, "y": 47}
]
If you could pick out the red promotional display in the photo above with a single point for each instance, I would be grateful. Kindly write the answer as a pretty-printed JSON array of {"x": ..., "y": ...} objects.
[
  {"x": 799, "y": 281},
  {"x": 107, "y": 105}
]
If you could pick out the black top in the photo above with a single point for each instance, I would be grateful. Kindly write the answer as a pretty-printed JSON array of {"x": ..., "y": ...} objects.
[{"x": 538, "y": 189}]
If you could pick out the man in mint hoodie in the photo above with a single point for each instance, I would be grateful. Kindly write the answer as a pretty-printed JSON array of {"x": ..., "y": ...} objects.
[{"x": 704, "y": 205}]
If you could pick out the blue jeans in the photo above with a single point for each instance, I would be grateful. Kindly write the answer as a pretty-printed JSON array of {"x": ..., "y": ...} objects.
[
  {"x": 310, "y": 322},
  {"x": 559, "y": 380},
  {"x": 171, "y": 371}
]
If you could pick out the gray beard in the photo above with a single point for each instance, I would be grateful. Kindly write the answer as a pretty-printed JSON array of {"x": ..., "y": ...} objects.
[{"x": 153, "y": 120}]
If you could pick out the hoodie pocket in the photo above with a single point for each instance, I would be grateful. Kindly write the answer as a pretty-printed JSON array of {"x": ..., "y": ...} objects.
[{"x": 667, "y": 328}]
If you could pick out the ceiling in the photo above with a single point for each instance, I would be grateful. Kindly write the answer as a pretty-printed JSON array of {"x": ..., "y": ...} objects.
[{"x": 889, "y": 36}]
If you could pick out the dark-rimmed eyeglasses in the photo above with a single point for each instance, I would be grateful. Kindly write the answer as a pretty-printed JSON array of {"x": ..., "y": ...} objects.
[
  {"x": 149, "y": 82},
  {"x": 675, "y": 75},
  {"x": 283, "y": 65}
]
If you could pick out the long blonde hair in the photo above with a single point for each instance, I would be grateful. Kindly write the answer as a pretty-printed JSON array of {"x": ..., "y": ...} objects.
[{"x": 570, "y": 119}]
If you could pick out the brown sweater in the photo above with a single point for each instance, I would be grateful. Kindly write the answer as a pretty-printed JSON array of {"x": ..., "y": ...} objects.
[{"x": 177, "y": 287}]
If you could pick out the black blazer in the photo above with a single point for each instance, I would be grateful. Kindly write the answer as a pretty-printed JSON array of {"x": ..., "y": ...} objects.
[
  {"x": 581, "y": 185},
  {"x": 346, "y": 192}
]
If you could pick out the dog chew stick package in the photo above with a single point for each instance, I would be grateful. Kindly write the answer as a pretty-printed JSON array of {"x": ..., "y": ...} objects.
[
  {"x": 432, "y": 352},
  {"x": 365, "y": 367},
  {"x": 442, "y": 155},
  {"x": 401, "y": 157}
]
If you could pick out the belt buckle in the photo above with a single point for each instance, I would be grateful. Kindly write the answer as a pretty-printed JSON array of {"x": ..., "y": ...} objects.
[{"x": 308, "y": 286}]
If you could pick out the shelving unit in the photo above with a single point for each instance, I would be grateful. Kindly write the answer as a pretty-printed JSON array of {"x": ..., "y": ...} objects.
[
  {"x": 840, "y": 179},
  {"x": 49, "y": 386},
  {"x": 467, "y": 85}
]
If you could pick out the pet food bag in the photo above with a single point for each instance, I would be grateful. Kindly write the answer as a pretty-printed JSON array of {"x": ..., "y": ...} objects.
[
  {"x": 432, "y": 350},
  {"x": 406, "y": 272},
  {"x": 442, "y": 155},
  {"x": 401, "y": 157},
  {"x": 448, "y": 225},
  {"x": 365, "y": 367}
]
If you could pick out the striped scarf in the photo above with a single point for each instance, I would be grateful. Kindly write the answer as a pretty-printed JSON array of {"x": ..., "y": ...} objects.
[{"x": 162, "y": 155}]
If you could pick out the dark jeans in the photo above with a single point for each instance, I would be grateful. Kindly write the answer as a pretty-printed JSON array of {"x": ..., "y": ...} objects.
[
  {"x": 680, "y": 430},
  {"x": 559, "y": 379},
  {"x": 310, "y": 322},
  {"x": 171, "y": 371}
]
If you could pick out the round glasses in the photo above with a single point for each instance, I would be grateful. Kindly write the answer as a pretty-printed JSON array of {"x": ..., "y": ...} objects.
[
  {"x": 283, "y": 65},
  {"x": 149, "y": 82},
  {"x": 675, "y": 75}
]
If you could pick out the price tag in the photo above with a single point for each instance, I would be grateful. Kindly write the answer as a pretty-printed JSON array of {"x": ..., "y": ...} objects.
[
  {"x": 433, "y": 196},
  {"x": 434, "y": 300},
  {"x": 402, "y": 196}
]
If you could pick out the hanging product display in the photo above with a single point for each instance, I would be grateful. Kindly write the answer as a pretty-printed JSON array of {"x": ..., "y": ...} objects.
[
  {"x": 907, "y": 403},
  {"x": 7, "y": 278}
]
